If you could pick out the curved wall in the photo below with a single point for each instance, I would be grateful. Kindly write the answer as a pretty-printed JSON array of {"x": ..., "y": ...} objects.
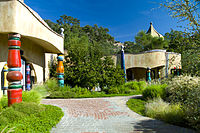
[{"x": 16, "y": 17}]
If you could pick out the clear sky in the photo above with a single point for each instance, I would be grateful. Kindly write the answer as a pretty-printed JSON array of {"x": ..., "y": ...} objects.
[{"x": 123, "y": 18}]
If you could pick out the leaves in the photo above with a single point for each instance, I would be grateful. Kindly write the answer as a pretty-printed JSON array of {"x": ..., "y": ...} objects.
[{"x": 185, "y": 10}]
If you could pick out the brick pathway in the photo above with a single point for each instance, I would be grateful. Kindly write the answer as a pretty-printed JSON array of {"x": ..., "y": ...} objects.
[{"x": 106, "y": 115}]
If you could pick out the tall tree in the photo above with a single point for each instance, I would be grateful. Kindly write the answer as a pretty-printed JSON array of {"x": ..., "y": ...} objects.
[
  {"x": 185, "y": 10},
  {"x": 86, "y": 64},
  {"x": 148, "y": 42}
]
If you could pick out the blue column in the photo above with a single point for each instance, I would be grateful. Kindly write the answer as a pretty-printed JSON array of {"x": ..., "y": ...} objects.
[{"x": 123, "y": 62}]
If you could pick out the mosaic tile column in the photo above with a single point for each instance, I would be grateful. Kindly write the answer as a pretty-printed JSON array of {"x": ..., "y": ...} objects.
[
  {"x": 60, "y": 70},
  {"x": 28, "y": 78},
  {"x": 5, "y": 81},
  {"x": 14, "y": 75}
]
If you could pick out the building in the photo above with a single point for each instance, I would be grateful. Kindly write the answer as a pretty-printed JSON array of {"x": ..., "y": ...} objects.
[
  {"x": 38, "y": 41},
  {"x": 160, "y": 61}
]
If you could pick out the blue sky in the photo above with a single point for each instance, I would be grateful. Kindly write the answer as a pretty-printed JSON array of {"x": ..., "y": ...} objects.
[{"x": 123, "y": 18}]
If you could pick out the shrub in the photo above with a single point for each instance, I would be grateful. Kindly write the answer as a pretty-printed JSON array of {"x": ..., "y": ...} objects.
[
  {"x": 42, "y": 89},
  {"x": 124, "y": 90},
  {"x": 186, "y": 91},
  {"x": 179, "y": 87},
  {"x": 154, "y": 91},
  {"x": 51, "y": 85},
  {"x": 31, "y": 96},
  {"x": 142, "y": 85},
  {"x": 161, "y": 110},
  {"x": 132, "y": 85},
  {"x": 113, "y": 90}
]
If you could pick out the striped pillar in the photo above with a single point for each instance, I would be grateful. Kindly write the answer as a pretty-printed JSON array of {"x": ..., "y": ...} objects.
[
  {"x": 5, "y": 81},
  {"x": 14, "y": 75},
  {"x": 60, "y": 70},
  {"x": 28, "y": 79}
]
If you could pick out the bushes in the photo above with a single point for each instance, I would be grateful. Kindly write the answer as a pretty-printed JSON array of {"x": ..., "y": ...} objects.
[
  {"x": 55, "y": 91},
  {"x": 154, "y": 91},
  {"x": 186, "y": 91},
  {"x": 171, "y": 113},
  {"x": 113, "y": 90},
  {"x": 179, "y": 88},
  {"x": 30, "y": 117},
  {"x": 135, "y": 85}
]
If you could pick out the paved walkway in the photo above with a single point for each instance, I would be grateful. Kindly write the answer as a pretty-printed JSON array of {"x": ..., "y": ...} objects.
[{"x": 106, "y": 115}]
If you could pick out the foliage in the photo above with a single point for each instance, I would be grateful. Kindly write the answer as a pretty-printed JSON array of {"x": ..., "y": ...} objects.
[
  {"x": 31, "y": 96},
  {"x": 158, "y": 109},
  {"x": 179, "y": 87},
  {"x": 135, "y": 85},
  {"x": 178, "y": 41},
  {"x": 86, "y": 50},
  {"x": 30, "y": 117},
  {"x": 41, "y": 90},
  {"x": 186, "y": 91},
  {"x": 185, "y": 10},
  {"x": 3, "y": 103},
  {"x": 154, "y": 91},
  {"x": 149, "y": 42},
  {"x": 191, "y": 62},
  {"x": 113, "y": 90},
  {"x": 78, "y": 92},
  {"x": 73, "y": 30},
  {"x": 132, "y": 47},
  {"x": 137, "y": 105},
  {"x": 188, "y": 46}
]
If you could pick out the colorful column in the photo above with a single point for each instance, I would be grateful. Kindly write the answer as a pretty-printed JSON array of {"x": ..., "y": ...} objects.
[
  {"x": 123, "y": 62},
  {"x": 149, "y": 74},
  {"x": 28, "y": 78},
  {"x": 60, "y": 70},
  {"x": 5, "y": 81},
  {"x": 14, "y": 75}
]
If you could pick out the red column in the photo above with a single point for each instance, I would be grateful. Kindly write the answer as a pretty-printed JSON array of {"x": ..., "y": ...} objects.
[{"x": 14, "y": 75}]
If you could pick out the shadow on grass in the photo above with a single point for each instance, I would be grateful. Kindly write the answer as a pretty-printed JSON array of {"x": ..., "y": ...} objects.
[{"x": 156, "y": 126}]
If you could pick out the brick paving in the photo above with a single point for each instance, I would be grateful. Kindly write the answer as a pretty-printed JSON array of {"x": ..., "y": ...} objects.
[{"x": 106, "y": 115}]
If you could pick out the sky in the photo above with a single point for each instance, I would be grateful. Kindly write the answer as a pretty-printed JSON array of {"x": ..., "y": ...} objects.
[{"x": 123, "y": 18}]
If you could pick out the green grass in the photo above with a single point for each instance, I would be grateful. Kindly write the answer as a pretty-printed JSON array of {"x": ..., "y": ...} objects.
[{"x": 137, "y": 105}]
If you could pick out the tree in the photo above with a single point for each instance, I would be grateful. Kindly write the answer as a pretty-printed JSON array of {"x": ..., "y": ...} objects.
[
  {"x": 148, "y": 42},
  {"x": 185, "y": 10},
  {"x": 188, "y": 47},
  {"x": 86, "y": 64},
  {"x": 132, "y": 47}
]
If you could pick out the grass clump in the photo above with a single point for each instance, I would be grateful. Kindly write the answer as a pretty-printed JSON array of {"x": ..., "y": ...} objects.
[
  {"x": 158, "y": 109},
  {"x": 31, "y": 96}
]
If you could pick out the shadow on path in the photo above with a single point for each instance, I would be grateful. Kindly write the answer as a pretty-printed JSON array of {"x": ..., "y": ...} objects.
[{"x": 156, "y": 126}]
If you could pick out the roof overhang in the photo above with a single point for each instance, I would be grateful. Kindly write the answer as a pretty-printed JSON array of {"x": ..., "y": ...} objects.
[{"x": 17, "y": 17}]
